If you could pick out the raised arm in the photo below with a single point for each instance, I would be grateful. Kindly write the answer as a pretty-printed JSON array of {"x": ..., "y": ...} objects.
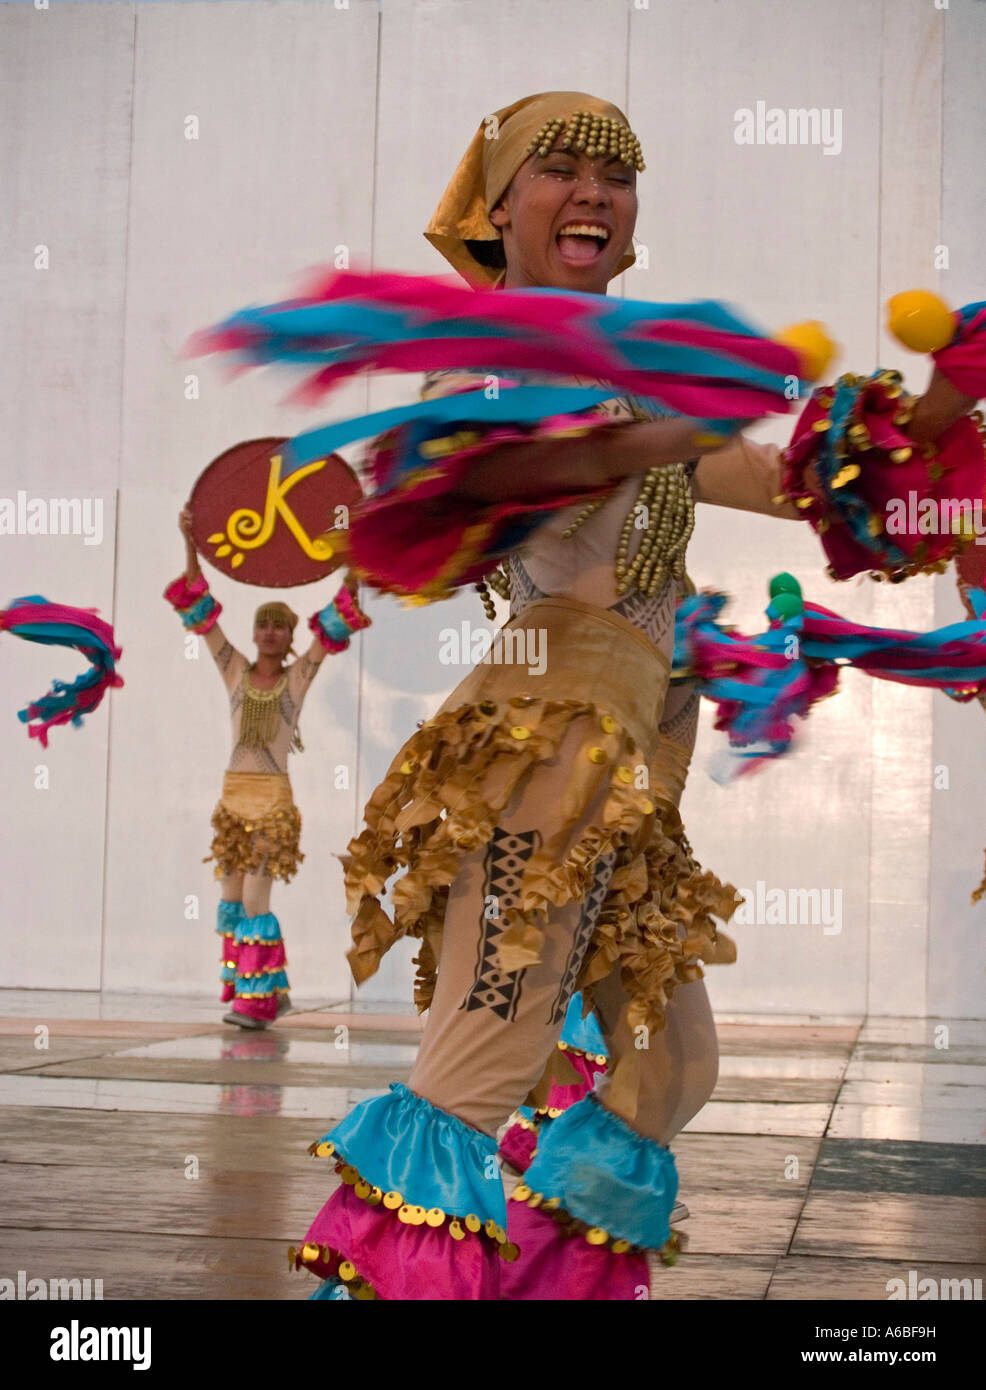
[
  {"x": 199, "y": 611},
  {"x": 333, "y": 627}
]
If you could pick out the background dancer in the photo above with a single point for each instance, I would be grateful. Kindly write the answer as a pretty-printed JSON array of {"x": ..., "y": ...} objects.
[{"x": 257, "y": 824}]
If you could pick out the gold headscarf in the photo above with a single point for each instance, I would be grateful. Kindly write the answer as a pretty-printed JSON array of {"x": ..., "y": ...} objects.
[{"x": 487, "y": 168}]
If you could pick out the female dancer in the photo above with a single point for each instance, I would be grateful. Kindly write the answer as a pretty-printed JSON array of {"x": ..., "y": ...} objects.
[
  {"x": 538, "y": 845},
  {"x": 257, "y": 825}
]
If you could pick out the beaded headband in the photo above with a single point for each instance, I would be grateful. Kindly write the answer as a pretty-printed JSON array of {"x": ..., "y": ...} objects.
[{"x": 596, "y": 135}]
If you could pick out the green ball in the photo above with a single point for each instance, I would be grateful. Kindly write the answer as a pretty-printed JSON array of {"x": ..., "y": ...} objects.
[
  {"x": 784, "y": 583},
  {"x": 786, "y": 605}
]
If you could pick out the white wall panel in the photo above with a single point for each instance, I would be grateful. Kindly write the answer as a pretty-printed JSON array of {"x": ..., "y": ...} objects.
[
  {"x": 65, "y": 100},
  {"x": 957, "y": 941},
  {"x": 52, "y": 813},
  {"x": 65, "y": 108}
]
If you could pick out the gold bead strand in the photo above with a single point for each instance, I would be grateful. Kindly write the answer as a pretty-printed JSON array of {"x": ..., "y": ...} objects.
[{"x": 489, "y": 608}]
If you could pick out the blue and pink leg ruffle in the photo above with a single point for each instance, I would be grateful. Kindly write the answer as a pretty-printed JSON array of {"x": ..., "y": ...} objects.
[{"x": 421, "y": 1212}]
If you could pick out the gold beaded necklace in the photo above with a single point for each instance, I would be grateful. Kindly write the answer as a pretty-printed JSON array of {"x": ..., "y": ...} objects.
[
  {"x": 667, "y": 507},
  {"x": 260, "y": 712}
]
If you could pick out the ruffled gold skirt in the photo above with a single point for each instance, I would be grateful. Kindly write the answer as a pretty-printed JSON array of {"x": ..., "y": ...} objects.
[
  {"x": 257, "y": 826},
  {"x": 452, "y": 780}
]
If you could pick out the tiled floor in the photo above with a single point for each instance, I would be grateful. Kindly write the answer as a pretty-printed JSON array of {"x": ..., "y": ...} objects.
[{"x": 146, "y": 1144}]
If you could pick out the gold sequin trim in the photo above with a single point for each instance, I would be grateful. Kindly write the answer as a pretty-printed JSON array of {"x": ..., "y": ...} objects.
[
  {"x": 571, "y": 1226},
  {"x": 578, "y": 1052},
  {"x": 408, "y": 1213},
  {"x": 310, "y": 1254}
]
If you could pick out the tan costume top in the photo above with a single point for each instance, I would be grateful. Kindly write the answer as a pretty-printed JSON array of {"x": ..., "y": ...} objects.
[{"x": 288, "y": 696}]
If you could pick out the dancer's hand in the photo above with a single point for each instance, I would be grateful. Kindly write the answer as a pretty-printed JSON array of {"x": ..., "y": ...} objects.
[
  {"x": 192, "y": 568},
  {"x": 940, "y": 406}
]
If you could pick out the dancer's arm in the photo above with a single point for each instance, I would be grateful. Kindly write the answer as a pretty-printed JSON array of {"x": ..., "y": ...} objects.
[
  {"x": 190, "y": 596},
  {"x": 589, "y": 462},
  {"x": 592, "y": 462},
  {"x": 333, "y": 627},
  {"x": 749, "y": 476}
]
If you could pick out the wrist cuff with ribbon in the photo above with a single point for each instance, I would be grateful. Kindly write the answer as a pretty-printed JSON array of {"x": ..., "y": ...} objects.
[
  {"x": 337, "y": 621},
  {"x": 878, "y": 501},
  {"x": 193, "y": 603},
  {"x": 963, "y": 360}
]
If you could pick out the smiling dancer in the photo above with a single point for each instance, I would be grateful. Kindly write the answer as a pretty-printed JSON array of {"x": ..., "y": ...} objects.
[
  {"x": 538, "y": 853},
  {"x": 257, "y": 825}
]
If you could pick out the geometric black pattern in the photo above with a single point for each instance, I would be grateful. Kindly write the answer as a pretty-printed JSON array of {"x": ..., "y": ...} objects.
[
  {"x": 653, "y": 614},
  {"x": 506, "y": 855},
  {"x": 583, "y": 933}
]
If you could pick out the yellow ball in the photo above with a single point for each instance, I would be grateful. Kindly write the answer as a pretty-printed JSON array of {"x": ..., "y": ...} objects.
[
  {"x": 812, "y": 344},
  {"x": 920, "y": 320}
]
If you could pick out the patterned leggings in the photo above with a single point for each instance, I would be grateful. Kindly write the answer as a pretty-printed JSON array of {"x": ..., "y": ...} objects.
[{"x": 489, "y": 1036}]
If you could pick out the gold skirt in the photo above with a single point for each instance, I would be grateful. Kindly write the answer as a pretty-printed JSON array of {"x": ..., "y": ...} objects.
[
  {"x": 452, "y": 779},
  {"x": 257, "y": 826}
]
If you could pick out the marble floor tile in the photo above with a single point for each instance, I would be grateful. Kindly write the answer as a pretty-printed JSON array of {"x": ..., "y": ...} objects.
[
  {"x": 953, "y": 1125},
  {"x": 922, "y": 1032},
  {"x": 765, "y": 1165},
  {"x": 168, "y": 1097},
  {"x": 758, "y": 1225},
  {"x": 890, "y": 1227},
  {"x": 888, "y": 1054},
  {"x": 775, "y": 1090},
  {"x": 276, "y": 1047},
  {"x": 58, "y": 1027},
  {"x": 137, "y": 1141},
  {"x": 788, "y": 1065},
  {"x": 19, "y": 1053},
  {"x": 704, "y": 1278},
  {"x": 801, "y": 1277},
  {"x": 901, "y": 1167},
  {"x": 758, "y": 1117},
  {"x": 328, "y": 1020},
  {"x": 166, "y": 1202},
  {"x": 150, "y": 1266},
  {"x": 925, "y": 1093},
  {"x": 844, "y": 1025},
  {"x": 917, "y": 1072}
]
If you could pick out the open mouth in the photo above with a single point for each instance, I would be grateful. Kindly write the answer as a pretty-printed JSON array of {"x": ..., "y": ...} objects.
[{"x": 582, "y": 243}]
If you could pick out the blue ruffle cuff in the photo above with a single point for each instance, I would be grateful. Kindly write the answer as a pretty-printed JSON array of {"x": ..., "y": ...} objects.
[
  {"x": 228, "y": 916},
  {"x": 584, "y": 1034},
  {"x": 264, "y": 927},
  {"x": 605, "y": 1173},
  {"x": 402, "y": 1143}
]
